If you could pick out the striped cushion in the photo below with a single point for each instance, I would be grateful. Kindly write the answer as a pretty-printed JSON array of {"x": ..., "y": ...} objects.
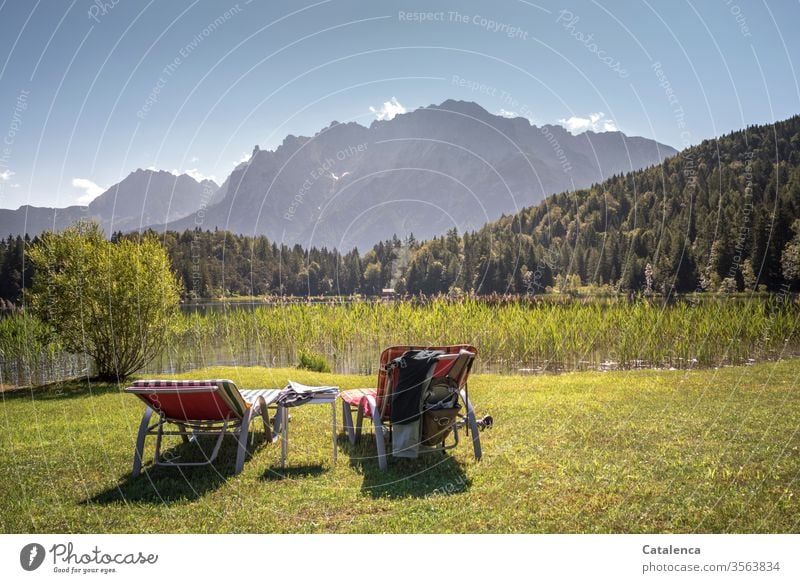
[
  {"x": 166, "y": 383},
  {"x": 185, "y": 403},
  {"x": 270, "y": 395},
  {"x": 232, "y": 396},
  {"x": 226, "y": 389},
  {"x": 356, "y": 397},
  {"x": 238, "y": 401},
  {"x": 393, "y": 352}
]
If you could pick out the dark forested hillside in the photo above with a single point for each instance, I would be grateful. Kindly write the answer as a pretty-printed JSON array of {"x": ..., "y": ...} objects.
[
  {"x": 720, "y": 216},
  {"x": 12, "y": 267}
]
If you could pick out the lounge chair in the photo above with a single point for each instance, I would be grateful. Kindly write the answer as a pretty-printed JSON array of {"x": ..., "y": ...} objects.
[
  {"x": 455, "y": 364},
  {"x": 200, "y": 407}
]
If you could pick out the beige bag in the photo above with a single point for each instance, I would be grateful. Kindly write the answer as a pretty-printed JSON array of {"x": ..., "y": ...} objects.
[{"x": 437, "y": 425}]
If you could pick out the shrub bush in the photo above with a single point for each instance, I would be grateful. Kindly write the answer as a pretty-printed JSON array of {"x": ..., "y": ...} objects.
[
  {"x": 111, "y": 301},
  {"x": 313, "y": 362}
]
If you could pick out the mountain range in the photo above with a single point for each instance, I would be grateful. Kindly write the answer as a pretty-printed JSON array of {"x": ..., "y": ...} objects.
[
  {"x": 422, "y": 172},
  {"x": 143, "y": 198}
]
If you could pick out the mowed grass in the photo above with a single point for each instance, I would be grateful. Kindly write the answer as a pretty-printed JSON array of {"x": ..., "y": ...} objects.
[{"x": 636, "y": 451}]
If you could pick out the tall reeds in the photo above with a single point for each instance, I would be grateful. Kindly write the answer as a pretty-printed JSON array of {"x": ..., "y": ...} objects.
[{"x": 512, "y": 337}]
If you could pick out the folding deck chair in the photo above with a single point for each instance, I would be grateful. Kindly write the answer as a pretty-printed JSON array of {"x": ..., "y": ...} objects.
[
  {"x": 200, "y": 407},
  {"x": 454, "y": 365}
]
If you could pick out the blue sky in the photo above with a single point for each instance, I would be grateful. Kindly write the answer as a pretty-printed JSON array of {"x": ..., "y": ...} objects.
[{"x": 91, "y": 90}]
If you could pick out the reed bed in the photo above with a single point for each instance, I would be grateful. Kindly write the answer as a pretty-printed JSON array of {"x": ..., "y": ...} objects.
[
  {"x": 512, "y": 337},
  {"x": 30, "y": 355}
]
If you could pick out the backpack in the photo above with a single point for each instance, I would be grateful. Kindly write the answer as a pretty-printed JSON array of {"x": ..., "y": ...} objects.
[
  {"x": 439, "y": 411},
  {"x": 407, "y": 398}
]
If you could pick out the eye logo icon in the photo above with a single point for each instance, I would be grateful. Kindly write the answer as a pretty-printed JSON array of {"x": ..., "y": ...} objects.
[{"x": 31, "y": 556}]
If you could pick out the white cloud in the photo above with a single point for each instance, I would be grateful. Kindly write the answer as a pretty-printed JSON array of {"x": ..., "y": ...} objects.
[
  {"x": 6, "y": 175},
  {"x": 194, "y": 159},
  {"x": 245, "y": 157},
  {"x": 596, "y": 122},
  {"x": 525, "y": 114},
  {"x": 388, "y": 110},
  {"x": 610, "y": 126},
  {"x": 90, "y": 190},
  {"x": 194, "y": 173}
]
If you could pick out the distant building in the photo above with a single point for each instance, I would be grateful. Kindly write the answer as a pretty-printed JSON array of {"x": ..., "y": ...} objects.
[{"x": 388, "y": 294}]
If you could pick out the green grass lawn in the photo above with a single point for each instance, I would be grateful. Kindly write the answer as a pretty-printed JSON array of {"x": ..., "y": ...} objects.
[{"x": 642, "y": 451}]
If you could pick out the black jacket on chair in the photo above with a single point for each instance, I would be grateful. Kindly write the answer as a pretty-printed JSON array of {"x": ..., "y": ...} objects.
[{"x": 407, "y": 394}]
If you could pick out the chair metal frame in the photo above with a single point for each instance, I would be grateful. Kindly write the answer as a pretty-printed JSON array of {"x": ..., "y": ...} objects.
[{"x": 228, "y": 423}]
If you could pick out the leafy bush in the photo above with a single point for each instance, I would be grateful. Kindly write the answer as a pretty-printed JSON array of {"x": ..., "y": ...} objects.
[
  {"x": 111, "y": 301},
  {"x": 313, "y": 362}
]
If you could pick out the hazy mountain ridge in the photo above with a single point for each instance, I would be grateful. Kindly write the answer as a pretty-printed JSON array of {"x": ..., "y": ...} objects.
[
  {"x": 423, "y": 172},
  {"x": 451, "y": 165},
  {"x": 144, "y": 197}
]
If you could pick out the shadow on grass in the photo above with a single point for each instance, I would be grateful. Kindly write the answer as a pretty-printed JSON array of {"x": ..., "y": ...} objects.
[
  {"x": 164, "y": 484},
  {"x": 64, "y": 390},
  {"x": 294, "y": 472},
  {"x": 431, "y": 474}
]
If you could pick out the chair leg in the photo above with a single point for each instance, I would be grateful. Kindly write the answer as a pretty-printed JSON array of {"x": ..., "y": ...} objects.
[
  {"x": 284, "y": 415},
  {"x": 241, "y": 450},
  {"x": 139, "y": 451},
  {"x": 262, "y": 410},
  {"x": 276, "y": 424},
  {"x": 347, "y": 421},
  {"x": 473, "y": 426},
  {"x": 184, "y": 433},
  {"x": 380, "y": 441},
  {"x": 359, "y": 422}
]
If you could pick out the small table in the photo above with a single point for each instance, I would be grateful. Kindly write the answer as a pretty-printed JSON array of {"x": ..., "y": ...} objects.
[{"x": 317, "y": 399}]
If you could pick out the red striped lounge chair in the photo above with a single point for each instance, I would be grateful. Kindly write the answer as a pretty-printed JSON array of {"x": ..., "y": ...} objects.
[
  {"x": 373, "y": 404},
  {"x": 200, "y": 407}
]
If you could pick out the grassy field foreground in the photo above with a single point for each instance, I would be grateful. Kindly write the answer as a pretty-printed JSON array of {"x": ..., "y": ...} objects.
[{"x": 640, "y": 451}]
